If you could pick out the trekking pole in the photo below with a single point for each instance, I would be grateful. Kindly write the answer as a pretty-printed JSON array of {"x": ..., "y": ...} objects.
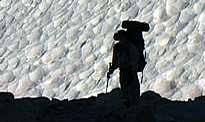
[
  {"x": 107, "y": 85},
  {"x": 108, "y": 78},
  {"x": 142, "y": 70}
]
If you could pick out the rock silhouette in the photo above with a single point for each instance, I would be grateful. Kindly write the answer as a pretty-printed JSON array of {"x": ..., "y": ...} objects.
[{"x": 103, "y": 108}]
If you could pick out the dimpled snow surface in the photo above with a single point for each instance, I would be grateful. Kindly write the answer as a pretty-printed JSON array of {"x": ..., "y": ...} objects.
[{"x": 62, "y": 48}]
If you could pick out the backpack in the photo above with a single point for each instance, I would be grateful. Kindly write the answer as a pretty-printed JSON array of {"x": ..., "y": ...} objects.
[
  {"x": 128, "y": 56},
  {"x": 134, "y": 31},
  {"x": 136, "y": 38}
]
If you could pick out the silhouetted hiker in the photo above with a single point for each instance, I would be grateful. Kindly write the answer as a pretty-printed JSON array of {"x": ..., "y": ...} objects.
[{"x": 126, "y": 57}]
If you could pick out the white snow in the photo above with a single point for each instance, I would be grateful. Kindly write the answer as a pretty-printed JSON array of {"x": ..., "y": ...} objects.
[
  {"x": 5, "y": 3},
  {"x": 36, "y": 75},
  {"x": 62, "y": 48}
]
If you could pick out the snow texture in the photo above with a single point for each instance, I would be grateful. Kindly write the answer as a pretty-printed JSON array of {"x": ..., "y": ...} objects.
[{"x": 62, "y": 48}]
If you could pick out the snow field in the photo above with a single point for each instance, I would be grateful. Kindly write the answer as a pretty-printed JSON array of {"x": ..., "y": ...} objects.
[{"x": 62, "y": 48}]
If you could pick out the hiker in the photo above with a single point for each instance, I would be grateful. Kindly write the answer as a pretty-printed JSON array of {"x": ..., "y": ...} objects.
[{"x": 126, "y": 57}]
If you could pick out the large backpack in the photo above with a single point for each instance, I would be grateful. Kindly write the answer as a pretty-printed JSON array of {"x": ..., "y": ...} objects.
[
  {"x": 136, "y": 38},
  {"x": 138, "y": 41},
  {"x": 134, "y": 31},
  {"x": 128, "y": 56}
]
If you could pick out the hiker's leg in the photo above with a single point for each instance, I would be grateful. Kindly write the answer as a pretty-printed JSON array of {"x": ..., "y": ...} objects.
[
  {"x": 133, "y": 88},
  {"x": 123, "y": 83}
]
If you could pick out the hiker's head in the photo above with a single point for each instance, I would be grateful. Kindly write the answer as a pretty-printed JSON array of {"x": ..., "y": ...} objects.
[{"x": 121, "y": 35}]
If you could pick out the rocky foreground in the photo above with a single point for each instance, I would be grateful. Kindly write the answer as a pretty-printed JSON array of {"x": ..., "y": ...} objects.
[{"x": 103, "y": 108}]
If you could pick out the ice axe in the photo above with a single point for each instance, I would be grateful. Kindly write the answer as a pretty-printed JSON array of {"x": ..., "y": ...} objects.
[{"x": 108, "y": 77}]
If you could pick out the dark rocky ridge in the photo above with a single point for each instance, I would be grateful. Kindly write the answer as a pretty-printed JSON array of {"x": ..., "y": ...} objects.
[{"x": 103, "y": 108}]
